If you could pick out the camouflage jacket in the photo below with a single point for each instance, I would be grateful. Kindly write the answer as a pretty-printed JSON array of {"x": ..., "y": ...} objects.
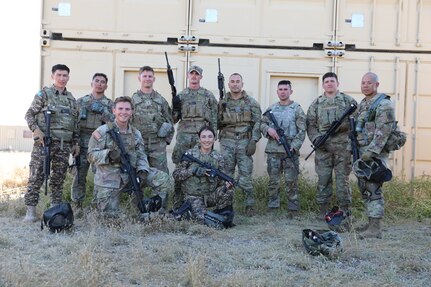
[
  {"x": 291, "y": 119},
  {"x": 323, "y": 112},
  {"x": 374, "y": 129},
  {"x": 110, "y": 175},
  {"x": 64, "y": 117},
  {"x": 92, "y": 114},
  {"x": 198, "y": 186},
  {"x": 150, "y": 112},
  {"x": 239, "y": 116},
  {"x": 198, "y": 108}
]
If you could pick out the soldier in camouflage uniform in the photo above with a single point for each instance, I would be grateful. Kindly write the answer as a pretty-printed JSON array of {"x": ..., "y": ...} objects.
[
  {"x": 333, "y": 156},
  {"x": 95, "y": 109},
  {"x": 64, "y": 138},
  {"x": 201, "y": 190},
  {"x": 291, "y": 118},
  {"x": 198, "y": 108},
  {"x": 373, "y": 129},
  {"x": 239, "y": 117},
  {"x": 153, "y": 118},
  {"x": 103, "y": 152}
]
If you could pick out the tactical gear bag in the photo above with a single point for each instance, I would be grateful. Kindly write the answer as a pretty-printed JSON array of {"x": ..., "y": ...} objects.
[
  {"x": 58, "y": 218},
  {"x": 322, "y": 242}
]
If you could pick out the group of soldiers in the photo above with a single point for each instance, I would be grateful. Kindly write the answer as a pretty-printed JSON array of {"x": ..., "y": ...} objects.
[{"x": 145, "y": 123}]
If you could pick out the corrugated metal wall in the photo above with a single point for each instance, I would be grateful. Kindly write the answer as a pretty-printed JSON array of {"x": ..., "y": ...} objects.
[
  {"x": 263, "y": 40},
  {"x": 15, "y": 138}
]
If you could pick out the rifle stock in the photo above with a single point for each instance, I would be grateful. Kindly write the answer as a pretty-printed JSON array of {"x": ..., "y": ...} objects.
[
  {"x": 353, "y": 140},
  {"x": 127, "y": 167},
  {"x": 176, "y": 102},
  {"x": 213, "y": 172},
  {"x": 220, "y": 82},
  {"x": 47, "y": 142},
  {"x": 332, "y": 129},
  {"x": 283, "y": 140}
]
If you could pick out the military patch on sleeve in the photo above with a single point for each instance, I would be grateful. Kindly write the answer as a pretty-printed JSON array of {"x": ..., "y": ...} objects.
[
  {"x": 96, "y": 135},
  {"x": 40, "y": 93}
]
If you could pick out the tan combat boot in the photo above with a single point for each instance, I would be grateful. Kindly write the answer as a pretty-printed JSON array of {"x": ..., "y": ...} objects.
[
  {"x": 374, "y": 230},
  {"x": 30, "y": 215}
]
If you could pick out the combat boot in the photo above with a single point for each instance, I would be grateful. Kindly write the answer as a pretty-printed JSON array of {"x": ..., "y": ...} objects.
[
  {"x": 30, "y": 215},
  {"x": 374, "y": 230},
  {"x": 323, "y": 209}
]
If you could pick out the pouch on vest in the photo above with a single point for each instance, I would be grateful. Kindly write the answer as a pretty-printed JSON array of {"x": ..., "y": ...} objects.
[
  {"x": 396, "y": 139},
  {"x": 58, "y": 218}
]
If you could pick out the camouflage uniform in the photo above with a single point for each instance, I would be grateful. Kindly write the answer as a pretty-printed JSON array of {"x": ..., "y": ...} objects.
[
  {"x": 198, "y": 108},
  {"x": 109, "y": 181},
  {"x": 64, "y": 133},
  {"x": 373, "y": 133},
  {"x": 203, "y": 192},
  {"x": 152, "y": 116},
  {"x": 92, "y": 114},
  {"x": 333, "y": 155},
  {"x": 239, "y": 123},
  {"x": 291, "y": 118}
]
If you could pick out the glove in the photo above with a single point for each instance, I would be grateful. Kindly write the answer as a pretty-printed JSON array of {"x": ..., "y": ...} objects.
[
  {"x": 368, "y": 155},
  {"x": 114, "y": 156},
  {"x": 164, "y": 130},
  {"x": 199, "y": 171},
  {"x": 143, "y": 176},
  {"x": 38, "y": 136},
  {"x": 97, "y": 107},
  {"x": 75, "y": 150},
  {"x": 250, "y": 149}
]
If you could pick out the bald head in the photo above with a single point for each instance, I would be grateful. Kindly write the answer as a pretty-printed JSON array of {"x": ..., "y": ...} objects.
[{"x": 369, "y": 84}]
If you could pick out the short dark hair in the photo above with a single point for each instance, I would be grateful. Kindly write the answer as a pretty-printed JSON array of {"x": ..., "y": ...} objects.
[
  {"x": 123, "y": 99},
  {"x": 100, "y": 75},
  {"x": 60, "y": 67},
  {"x": 329, "y": 75},
  {"x": 285, "y": 82},
  {"x": 236, "y": 74},
  {"x": 146, "y": 68},
  {"x": 206, "y": 128}
]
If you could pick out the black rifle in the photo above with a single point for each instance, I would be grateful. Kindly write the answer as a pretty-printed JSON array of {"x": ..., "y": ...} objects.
[
  {"x": 76, "y": 164},
  {"x": 47, "y": 142},
  {"x": 220, "y": 81},
  {"x": 212, "y": 171},
  {"x": 332, "y": 129},
  {"x": 353, "y": 140},
  {"x": 176, "y": 102},
  {"x": 127, "y": 167},
  {"x": 282, "y": 136}
]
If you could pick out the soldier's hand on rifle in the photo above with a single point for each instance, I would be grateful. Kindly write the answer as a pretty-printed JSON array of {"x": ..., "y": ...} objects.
[
  {"x": 114, "y": 156},
  {"x": 38, "y": 136},
  {"x": 143, "y": 176},
  {"x": 199, "y": 171},
  {"x": 75, "y": 150},
  {"x": 273, "y": 133},
  {"x": 251, "y": 148}
]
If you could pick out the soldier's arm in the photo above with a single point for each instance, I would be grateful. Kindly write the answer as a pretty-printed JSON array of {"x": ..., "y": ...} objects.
[
  {"x": 300, "y": 123},
  {"x": 214, "y": 110},
  {"x": 256, "y": 114},
  {"x": 384, "y": 120},
  {"x": 265, "y": 125},
  {"x": 76, "y": 132},
  {"x": 97, "y": 150},
  {"x": 142, "y": 162},
  {"x": 36, "y": 107},
  {"x": 167, "y": 114},
  {"x": 311, "y": 122},
  {"x": 175, "y": 115},
  {"x": 107, "y": 115},
  {"x": 182, "y": 171}
]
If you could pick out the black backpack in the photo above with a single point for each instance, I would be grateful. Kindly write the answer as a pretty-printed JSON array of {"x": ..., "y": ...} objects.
[{"x": 58, "y": 218}]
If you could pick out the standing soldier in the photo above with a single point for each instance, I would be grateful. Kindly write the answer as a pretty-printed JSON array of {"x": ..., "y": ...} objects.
[
  {"x": 95, "y": 109},
  {"x": 239, "y": 118},
  {"x": 105, "y": 154},
  {"x": 198, "y": 108},
  {"x": 375, "y": 121},
  {"x": 64, "y": 140},
  {"x": 291, "y": 119},
  {"x": 153, "y": 118},
  {"x": 333, "y": 155}
]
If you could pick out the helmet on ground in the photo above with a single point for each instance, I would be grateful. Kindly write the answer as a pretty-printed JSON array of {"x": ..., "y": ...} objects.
[
  {"x": 374, "y": 170},
  {"x": 322, "y": 242}
]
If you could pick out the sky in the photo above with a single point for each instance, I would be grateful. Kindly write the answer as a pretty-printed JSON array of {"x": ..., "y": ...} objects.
[{"x": 20, "y": 23}]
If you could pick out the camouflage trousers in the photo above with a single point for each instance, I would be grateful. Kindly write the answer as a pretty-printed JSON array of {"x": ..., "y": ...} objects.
[
  {"x": 108, "y": 198},
  {"x": 155, "y": 148},
  {"x": 79, "y": 180},
  {"x": 277, "y": 164},
  {"x": 184, "y": 142},
  {"x": 372, "y": 195},
  {"x": 233, "y": 152},
  {"x": 59, "y": 164},
  {"x": 220, "y": 198},
  {"x": 338, "y": 161}
]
